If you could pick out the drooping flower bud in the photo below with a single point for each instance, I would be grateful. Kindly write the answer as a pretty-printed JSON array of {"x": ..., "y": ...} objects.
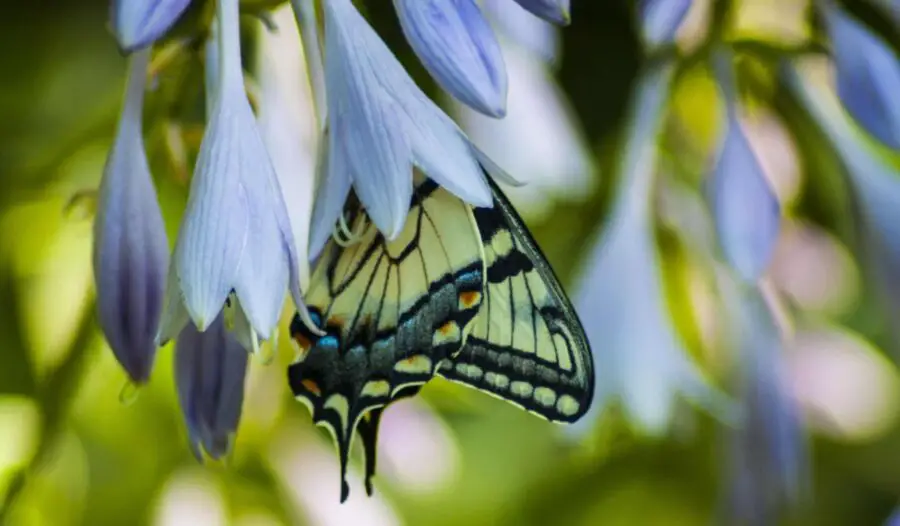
[
  {"x": 139, "y": 23},
  {"x": 130, "y": 253},
  {"x": 210, "y": 368},
  {"x": 235, "y": 243},
  {"x": 867, "y": 73}
]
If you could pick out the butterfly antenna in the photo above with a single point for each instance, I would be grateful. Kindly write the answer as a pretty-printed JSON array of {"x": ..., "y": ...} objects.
[{"x": 346, "y": 237}]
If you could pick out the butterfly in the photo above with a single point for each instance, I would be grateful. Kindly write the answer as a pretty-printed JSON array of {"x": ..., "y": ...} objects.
[{"x": 463, "y": 293}]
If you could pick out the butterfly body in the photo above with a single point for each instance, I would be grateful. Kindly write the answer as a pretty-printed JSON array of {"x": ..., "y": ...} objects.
[{"x": 463, "y": 293}]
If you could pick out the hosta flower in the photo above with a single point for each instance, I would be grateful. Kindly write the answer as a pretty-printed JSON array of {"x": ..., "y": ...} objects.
[
  {"x": 537, "y": 36},
  {"x": 130, "y": 248},
  {"x": 621, "y": 299},
  {"x": 235, "y": 241},
  {"x": 867, "y": 73},
  {"x": 539, "y": 140},
  {"x": 210, "y": 367},
  {"x": 458, "y": 47},
  {"x": 746, "y": 210},
  {"x": 308, "y": 25},
  {"x": 381, "y": 127},
  {"x": 139, "y": 23},
  {"x": 287, "y": 123},
  {"x": 767, "y": 458},
  {"x": 876, "y": 182},
  {"x": 556, "y": 11},
  {"x": 660, "y": 19}
]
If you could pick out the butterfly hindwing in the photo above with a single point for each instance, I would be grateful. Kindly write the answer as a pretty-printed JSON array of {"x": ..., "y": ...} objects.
[
  {"x": 392, "y": 311},
  {"x": 527, "y": 345}
]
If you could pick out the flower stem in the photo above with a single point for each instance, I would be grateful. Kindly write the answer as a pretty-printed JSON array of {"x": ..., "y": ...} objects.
[
  {"x": 229, "y": 42},
  {"x": 307, "y": 23}
]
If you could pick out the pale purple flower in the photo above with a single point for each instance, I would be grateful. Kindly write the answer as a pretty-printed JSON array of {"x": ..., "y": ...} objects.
[
  {"x": 767, "y": 458},
  {"x": 210, "y": 368},
  {"x": 556, "y": 11},
  {"x": 660, "y": 20},
  {"x": 875, "y": 181},
  {"x": 139, "y": 23},
  {"x": 641, "y": 362},
  {"x": 540, "y": 139},
  {"x": 538, "y": 36},
  {"x": 131, "y": 252},
  {"x": 746, "y": 210},
  {"x": 457, "y": 46},
  {"x": 867, "y": 72},
  {"x": 235, "y": 239},
  {"x": 381, "y": 126}
]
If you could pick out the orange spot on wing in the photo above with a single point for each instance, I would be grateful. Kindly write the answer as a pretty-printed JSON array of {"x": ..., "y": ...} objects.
[
  {"x": 312, "y": 387},
  {"x": 469, "y": 298},
  {"x": 303, "y": 342},
  {"x": 447, "y": 328}
]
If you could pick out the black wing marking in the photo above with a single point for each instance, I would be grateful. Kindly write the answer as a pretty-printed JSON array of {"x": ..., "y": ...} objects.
[
  {"x": 527, "y": 345},
  {"x": 392, "y": 311}
]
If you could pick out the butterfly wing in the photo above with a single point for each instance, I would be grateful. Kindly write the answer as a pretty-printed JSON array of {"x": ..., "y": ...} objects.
[
  {"x": 527, "y": 345},
  {"x": 392, "y": 312}
]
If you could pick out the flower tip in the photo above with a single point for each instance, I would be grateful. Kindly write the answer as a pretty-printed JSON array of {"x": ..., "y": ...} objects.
[
  {"x": 137, "y": 24},
  {"x": 201, "y": 323},
  {"x": 195, "y": 449},
  {"x": 497, "y": 111},
  {"x": 555, "y": 11}
]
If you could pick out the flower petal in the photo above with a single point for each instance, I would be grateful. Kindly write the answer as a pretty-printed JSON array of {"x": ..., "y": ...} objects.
[
  {"x": 139, "y": 23},
  {"x": 536, "y": 36},
  {"x": 334, "y": 187},
  {"x": 746, "y": 209},
  {"x": 361, "y": 122},
  {"x": 875, "y": 181},
  {"x": 660, "y": 19},
  {"x": 131, "y": 252},
  {"x": 538, "y": 140},
  {"x": 867, "y": 74},
  {"x": 556, "y": 11},
  {"x": 210, "y": 368},
  {"x": 384, "y": 125},
  {"x": 622, "y": 300},
  {"x": 458, "y": 47},
  {"x": 174, "y": 315},
  {"x": 235, "y": 234},
  {"x": 767, "y": 464}
]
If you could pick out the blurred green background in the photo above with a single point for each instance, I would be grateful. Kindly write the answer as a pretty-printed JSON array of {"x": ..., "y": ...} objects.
[{"x": 77, "y": 447}]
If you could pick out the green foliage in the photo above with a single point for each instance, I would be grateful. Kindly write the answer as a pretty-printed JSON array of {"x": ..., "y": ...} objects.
[{"x": 93, "y": 460}]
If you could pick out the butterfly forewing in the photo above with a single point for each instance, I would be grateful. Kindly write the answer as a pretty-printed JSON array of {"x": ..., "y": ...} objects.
[
  {"x": 527, "y": 345},
  {"x": 392, "y": 312}
]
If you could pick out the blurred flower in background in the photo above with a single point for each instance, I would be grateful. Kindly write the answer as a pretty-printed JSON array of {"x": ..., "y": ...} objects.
[
  {"x": 661, "y": 19},
  {"x": 640, "y": 359},
  {"x": 766, "y": 305},
  {"x": 867, "y": 74}
]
